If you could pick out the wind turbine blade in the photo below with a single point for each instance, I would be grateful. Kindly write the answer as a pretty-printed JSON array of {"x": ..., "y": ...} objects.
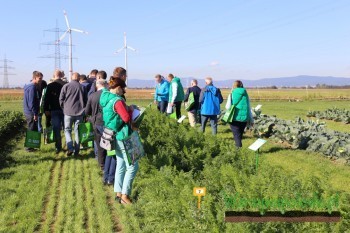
[
  {"x": 131, "y": 48},
  {"x": 62, "y": 37},
  {"x": 65, "y": 16},
  {"x": 77, "y": 30},
  {"x": 119, "y": 50}
]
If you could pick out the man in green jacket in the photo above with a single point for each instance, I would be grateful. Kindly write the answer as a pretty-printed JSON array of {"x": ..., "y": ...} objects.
[{"x": 176, "y": 94}]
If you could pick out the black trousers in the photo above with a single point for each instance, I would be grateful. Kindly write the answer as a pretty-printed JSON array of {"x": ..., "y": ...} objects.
[
  {"x": 178, "y": 109},
  {"x": 237, "y": 128}
]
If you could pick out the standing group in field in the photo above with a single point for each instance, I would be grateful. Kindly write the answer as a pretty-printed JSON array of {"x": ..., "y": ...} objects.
[
  {"x": 203, "y": 105},
  {"x": 103, "y": 103}
]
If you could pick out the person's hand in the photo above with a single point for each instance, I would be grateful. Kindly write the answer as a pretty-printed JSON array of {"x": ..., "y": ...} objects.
[
  {"x": 35, "y": 118},
  {"x": 131, "y": 108},
  {"x": 47, "y": 113},
  {"x": 155, "y": 102},
  {"x": 172, "y": 104}
]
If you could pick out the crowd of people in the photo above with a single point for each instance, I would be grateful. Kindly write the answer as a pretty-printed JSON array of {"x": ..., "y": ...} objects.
[
  {"x": 92, "y": 98},
  {"x": 169, "y": 94}
]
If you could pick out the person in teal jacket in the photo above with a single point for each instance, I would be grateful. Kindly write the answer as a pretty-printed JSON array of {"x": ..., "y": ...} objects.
[
  {"x": 242, "y": 116},
  {"x": 176, "y": 94},
  {"x": 161, "y": 95}
]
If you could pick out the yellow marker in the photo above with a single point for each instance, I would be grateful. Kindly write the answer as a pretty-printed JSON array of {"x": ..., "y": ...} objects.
[{"x": 199, "y": 191}]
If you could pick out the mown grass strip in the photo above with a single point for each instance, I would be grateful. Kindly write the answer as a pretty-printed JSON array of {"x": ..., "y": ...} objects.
[
  {"x": 89, "y": 198},
  {"x": 71, "y": 203},
  {"x": 79, "y": 225}
]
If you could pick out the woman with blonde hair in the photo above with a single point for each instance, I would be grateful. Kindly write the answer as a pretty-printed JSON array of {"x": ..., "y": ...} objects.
[{"x": 242, "y": 116}]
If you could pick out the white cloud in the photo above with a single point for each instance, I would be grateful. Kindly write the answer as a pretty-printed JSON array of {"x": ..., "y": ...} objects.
[{"x": 214, "y": 63}]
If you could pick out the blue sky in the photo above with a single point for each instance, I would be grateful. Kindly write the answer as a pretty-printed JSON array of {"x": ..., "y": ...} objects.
[{"x": 245, "y": 39}]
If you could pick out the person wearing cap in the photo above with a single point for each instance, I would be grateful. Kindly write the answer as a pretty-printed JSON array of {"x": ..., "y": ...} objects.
[{"x": 161, "y": 95}]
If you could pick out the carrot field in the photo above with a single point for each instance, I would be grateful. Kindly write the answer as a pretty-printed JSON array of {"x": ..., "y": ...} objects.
[{"x": 44, "y": 192}]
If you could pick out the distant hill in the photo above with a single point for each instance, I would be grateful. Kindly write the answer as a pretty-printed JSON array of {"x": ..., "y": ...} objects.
[{"x": 296, "y": 81}]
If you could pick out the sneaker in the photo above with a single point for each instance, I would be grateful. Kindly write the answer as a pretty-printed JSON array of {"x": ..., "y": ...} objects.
[
  {"x": 69, "y": 153},
  {"x": 57, "y": 151}
]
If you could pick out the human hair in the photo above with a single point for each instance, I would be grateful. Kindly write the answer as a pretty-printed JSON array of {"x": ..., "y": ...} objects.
[
  {"x": 36, "y": 74},
  {"x": 195, "y": 81},
  {"x": 82, "y": 77},
  {"x": 171, "y": 76},
  {"x": 116, "y": 82},
  {"x": 57, "y": 74},
  {"x": 209, "y": 80},
  {"x": 119, "y": 72},
  {"x": 158, "y": 76},
  {"x": 75, "y": 76},
  {"x": 93, "y": 72},
  {"x": 237, "y": 83},
  {"x": 102, "y": 74}
]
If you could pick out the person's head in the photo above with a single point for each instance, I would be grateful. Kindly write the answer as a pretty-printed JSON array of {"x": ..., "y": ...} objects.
[
  {"x": 158, "y": 78},
  {"x": 208, "y": 81},
  {"x": 237, "y": 83},
  {"x": 82, "y": 78},
  {"x": 101, "y": 75},
  {"x": 100, "y": 83},
  {"x": 57, "y": 74},
  {"x": 75, "y": 76},
  {"x": 194, "y": 82},
  {"x": 120, "y": 72},
  {"x": 170, "y": 77},
  {"x": 93, "y": 73},
  {"x": 37, "y": 77},
  {"x": 117, "y": 86}
]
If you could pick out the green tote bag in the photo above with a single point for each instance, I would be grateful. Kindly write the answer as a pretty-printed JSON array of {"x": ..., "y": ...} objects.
[
  {"x": 33, "y": 139},
  {"x": 86, "y": 132},
  {"x": 228, "y": 117}
]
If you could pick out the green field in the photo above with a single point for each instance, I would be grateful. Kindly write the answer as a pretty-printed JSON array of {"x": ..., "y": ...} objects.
[{"x": 42, "y": 192}]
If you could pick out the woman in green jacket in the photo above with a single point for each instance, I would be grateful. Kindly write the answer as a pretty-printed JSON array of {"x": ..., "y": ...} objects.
[
  {"x": 242, "y": 116},
  {"x": 117, "y": 117}
]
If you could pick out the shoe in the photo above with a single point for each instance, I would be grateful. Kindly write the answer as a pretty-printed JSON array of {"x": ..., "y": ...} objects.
[
  {"x": 104, "y": 182},
  {"x": 69, "y": 153},
  {"x": 57, "y": 151},
  {"x": 124, "y": 202},
  {"x": 109, "y": 183},
  {"x": 118, "y": 199},
  {"x": 30, "y": 149}
]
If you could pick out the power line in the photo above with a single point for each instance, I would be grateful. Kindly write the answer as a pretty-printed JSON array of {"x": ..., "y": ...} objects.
[
  {"x": 57, "y": 56},
  {"x": 6, "y": 73}
]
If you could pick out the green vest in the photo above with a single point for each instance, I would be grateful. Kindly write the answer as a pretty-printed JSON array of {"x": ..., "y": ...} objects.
[
  {"x": 180, "y": 90},
  {"x": 241, "y": 101},
  {"x": 111, "y": 119}
]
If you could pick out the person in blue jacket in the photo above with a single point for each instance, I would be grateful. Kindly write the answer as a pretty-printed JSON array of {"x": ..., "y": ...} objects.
[
  {"x": 210, "y": 99},
  {"x": 31, "y": 103},
  {"x": 161, "y": 95}
]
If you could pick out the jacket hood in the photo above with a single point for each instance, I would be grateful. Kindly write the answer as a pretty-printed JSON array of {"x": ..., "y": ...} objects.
[
  {"x": 212, "y": 89},
  {"x": 106, "y": 96}
]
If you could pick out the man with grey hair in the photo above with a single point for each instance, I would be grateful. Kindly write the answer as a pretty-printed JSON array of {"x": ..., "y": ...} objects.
[
  {"x": 72, "y": 101},
  {"x": 192, "y": 112},
  {"x": 210, "y": 98},
  {"x": 93, "y": 109}
]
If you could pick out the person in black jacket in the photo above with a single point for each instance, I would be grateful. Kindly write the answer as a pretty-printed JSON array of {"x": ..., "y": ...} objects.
[
  {"x": 193, "y": 111},
  {"x": 41, "y": 86},
  {"x": 53, "y": 109},
  {"x": 94, "y": 110}
]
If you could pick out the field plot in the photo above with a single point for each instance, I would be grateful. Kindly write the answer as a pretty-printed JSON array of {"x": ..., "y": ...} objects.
[{"x": 44, "y": 192}]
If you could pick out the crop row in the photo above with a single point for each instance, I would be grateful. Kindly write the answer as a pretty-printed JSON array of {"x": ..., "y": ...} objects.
[
  {"x": 334, "y": 114},
  {"x": 304, "y": 134},
  {"x": 11, "y": 122},
  {"x": 180, "y": 158}
]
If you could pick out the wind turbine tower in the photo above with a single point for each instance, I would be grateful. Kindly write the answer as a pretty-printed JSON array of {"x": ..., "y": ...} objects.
[
  {"x": 6, "y": 73},
  {"x": 69, "y": 31},
  {"x": 125, "y": 48}
]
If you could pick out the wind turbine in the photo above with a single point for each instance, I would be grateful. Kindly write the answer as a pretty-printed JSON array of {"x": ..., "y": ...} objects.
[
  {"x": 125, "y": 48},
  {"x": 69, "y": 31}
]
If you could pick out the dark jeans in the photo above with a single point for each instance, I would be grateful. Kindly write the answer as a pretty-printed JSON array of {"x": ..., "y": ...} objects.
[
  {"x": 178, "y": 109},
  {"x": 57, "y": 118},
  {"x": 237, "y": 128},
  {"x": 101, "y": 153},
  {"x": 109, "y": 169},
  {"x": 213, "y": 123},
  {"x": 40, "y": 126},
  {"x": 31, "y": 124},
  {"x": 162, "y": 106}
]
